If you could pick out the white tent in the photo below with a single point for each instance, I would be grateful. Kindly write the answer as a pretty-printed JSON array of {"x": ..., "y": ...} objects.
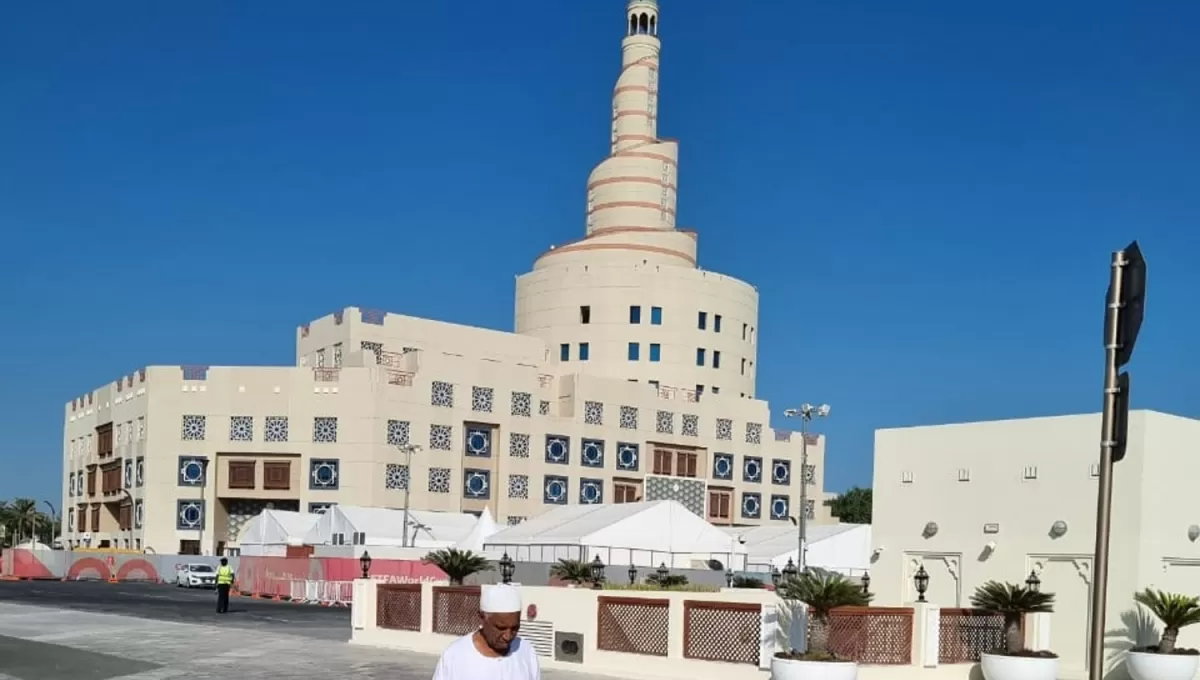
[
  {"x": 484, "y": 528},
  {"x": 844, "y": 548},
  {"x": 272, "y": 531},
  {"x": 641, "y": 534},
  {"x": 353, "y": 525}
]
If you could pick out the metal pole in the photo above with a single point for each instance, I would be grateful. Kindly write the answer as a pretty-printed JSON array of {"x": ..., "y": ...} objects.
[
  {"x": 407, "y": 491},
  {"x": 203, "y": 502},
  {"x": 1104, "y": 495},
  {"x": 802, "y": 519}
]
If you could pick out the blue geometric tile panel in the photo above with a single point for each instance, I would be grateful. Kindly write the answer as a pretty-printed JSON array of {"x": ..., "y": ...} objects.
[
  {"x": 479, "y": 442},
  {"x": 323, "y": 474},
  {"x": 189, "y": 515},
  {"x": 779, "y": 507},
  {"x": 751, "y": 505},
  {"x": 139, "y": 514},
  {"x": 477, "y": 483},
  {"x": 752, "y": 469},
  {"x": 128, "y": 473},
  {"x": 319, "y": 508},
  {"x": 722, "y": 466},
  {"x": 781, "y": 471},
  {"x": 191, "y": 470},
  {"x": 591, "y": 491},
  {"x": 592, "y": 453},
  {"x": 558, "y": 449},
  {"x": 555, "y": 490},
  {"x": 628, "y": 456},
  {"x": 139, "y": 476}
]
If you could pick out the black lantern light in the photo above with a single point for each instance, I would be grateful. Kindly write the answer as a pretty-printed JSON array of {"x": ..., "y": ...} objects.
[
  {"x": 365, "y": 563},
  {"x": 921, "y": 579},
  {"x": 789, "y": 571},
  {"x": 776, "y": 577},
  {"x": 597, "y": 568},
  {"x": 866, "y": 583},
  {"x": 506, "y": 568},
  {"x": 632, "y": 574},
  {"x": 1033, "y": 583},
  {"x": 729, "y": 577},
  {"x": 663, "y": 573}
]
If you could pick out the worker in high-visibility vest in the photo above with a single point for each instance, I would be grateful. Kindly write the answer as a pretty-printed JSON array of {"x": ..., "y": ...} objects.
[{"x": 224, "y": 583}]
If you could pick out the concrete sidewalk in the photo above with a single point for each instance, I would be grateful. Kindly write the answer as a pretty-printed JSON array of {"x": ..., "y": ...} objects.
[{"x": 40, "y": 643}]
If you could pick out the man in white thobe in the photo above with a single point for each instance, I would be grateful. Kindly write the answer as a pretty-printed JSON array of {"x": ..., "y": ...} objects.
[{"x": 495, "y": 651}]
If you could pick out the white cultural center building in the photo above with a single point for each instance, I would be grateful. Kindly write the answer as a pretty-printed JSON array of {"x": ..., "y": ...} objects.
[
  {"x": 1000, "y": 500},
  {"x": 631, "y": 375}
]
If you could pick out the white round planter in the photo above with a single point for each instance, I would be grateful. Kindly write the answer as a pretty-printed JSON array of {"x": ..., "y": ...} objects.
[
  {"x": 791, "y": 669},
  {"x": 999, "y": 667},
  {"x": 1149, "y": 666}
]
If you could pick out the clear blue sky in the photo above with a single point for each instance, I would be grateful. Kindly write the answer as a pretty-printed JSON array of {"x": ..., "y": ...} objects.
[{"x": 925, "y": 193}]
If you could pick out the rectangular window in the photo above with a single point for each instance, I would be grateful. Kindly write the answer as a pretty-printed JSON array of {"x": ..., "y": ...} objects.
[
  {"x": 654, "y": 383},
  {"x": 743, "y": 366},
  {"x": 716, "y": 323},
  {"x": 662, "y": 461},
  {"x": 625, "y": 493},
  {"x": 635, "y": 314},
  {"x": 241, "y": 474},
  {"x": 699, "y": 356},
  {"x": 685, "y": 464},
  {"x": 277, "y": 475},
  {"x": 583, "y": 351},
  {"x": 655, "y": 352},
  {"x": 716, "y": 390},
  {"x": 719, "y": 503},
  {"x": 585, "y": 314},
  {"x": 564, "y": 352},
  {"x": 699, "y": 390},
  {"x": 635, "y": 351},
  {"x": 745, "y": 328},
  {"x": 716, "y": 359},
  {"x": 702, "y": 321},
  {"x": 656, "y": 316}
]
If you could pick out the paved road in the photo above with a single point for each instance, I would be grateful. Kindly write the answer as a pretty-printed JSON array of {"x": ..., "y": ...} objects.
[
  {"x": 168, "y": 603},
  {"x": 70, "y": 631}
]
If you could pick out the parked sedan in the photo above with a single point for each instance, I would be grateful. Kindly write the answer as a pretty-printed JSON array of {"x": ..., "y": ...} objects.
[{"x": 196, "y": 576}]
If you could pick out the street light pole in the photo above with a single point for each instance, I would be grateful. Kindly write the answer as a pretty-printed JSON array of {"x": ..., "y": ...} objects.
[
  {"x": 408, "y": 450},
  {"x": 203, "y": 501},
  {"x": 53, "y": 516},
  {"x": 806, "y": 412}
]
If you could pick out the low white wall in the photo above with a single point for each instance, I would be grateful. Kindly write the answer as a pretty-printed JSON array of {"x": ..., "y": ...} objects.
[{"x": 575, "y": 610}]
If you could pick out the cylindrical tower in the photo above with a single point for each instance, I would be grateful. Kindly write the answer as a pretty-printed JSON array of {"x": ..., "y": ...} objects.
[{"x": 628, "y": 300}]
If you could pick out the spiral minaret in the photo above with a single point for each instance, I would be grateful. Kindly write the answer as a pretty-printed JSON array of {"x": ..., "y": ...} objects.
[{"x": 634, "y": 255}]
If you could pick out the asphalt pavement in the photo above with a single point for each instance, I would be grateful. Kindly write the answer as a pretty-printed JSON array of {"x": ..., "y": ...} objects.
[{"x": 181, "y": 605}]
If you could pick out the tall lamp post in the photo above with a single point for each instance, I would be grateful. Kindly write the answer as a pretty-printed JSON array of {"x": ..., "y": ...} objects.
[
  {"x": 408, "y": 450},
  {"x": 805, "y": 413},
  {"x": 203, "y": 500},
  {"x": 53, "y": 516}
]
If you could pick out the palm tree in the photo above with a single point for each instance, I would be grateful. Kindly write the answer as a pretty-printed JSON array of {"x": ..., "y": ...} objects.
[
  {"x": 24, "y": 513},
  {"x": 1013, "y": 602},
  {"x": 572, "y": 571},
  {"x": 823, "y": 591},
  {"x": 458, "y": 564},
  {"x": 1174, "y": 610}
]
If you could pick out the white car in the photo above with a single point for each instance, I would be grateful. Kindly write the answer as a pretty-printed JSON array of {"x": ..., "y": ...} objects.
[{"x": 196, "y": 575}]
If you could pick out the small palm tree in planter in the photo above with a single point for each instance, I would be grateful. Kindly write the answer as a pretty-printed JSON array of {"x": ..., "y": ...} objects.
[
  {"x": 458, "y": 564},
  {"x": 1165, "y": 661},
  {"x": 575, "y": 572},
  {"x": 1013, "y": 602},
  {"x": 822, "y": 592}
]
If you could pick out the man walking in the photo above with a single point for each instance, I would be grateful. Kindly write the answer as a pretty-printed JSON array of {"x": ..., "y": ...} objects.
[
  {"x": 494, "y": 652},
  {"x": 224, "y": 583}
]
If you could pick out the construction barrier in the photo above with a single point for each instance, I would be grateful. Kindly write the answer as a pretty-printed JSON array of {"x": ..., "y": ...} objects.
[{"x": 324, "y": 593}]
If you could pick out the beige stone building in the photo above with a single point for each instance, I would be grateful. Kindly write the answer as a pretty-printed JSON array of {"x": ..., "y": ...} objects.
[{"x": 631, "y": 376}]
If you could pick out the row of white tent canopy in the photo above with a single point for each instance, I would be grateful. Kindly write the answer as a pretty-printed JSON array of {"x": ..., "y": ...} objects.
[{"x": 642, "y": 534}]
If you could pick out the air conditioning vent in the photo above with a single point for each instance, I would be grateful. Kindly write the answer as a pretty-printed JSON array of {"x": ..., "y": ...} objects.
[
  {"x": 568, "y": 647},
  {"x": 540, "y": 634}
]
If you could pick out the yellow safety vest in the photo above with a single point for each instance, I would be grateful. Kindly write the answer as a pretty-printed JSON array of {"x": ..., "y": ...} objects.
[{"x": 224, "y": 576}]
